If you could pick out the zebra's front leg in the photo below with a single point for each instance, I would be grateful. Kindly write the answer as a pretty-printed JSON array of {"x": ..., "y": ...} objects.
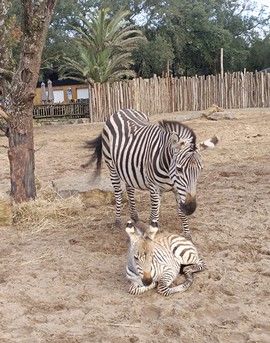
[
  {"x": 186, "y": 232},
  {"x": 155, "y": 205},
  {"x": 131, "y": 199},
  {"x": 184, "y": 220},
  {"x": 136, "y": 289}
]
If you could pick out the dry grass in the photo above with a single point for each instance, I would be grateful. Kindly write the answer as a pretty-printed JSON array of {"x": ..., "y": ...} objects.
[{"x": 47, "y": 212}]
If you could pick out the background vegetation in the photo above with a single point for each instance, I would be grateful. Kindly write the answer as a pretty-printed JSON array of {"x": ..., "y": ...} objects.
[{"x": 183, "y": 37}]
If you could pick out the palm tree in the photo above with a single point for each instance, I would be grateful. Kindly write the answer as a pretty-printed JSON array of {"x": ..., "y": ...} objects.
[{"x": 105, "y": 47}]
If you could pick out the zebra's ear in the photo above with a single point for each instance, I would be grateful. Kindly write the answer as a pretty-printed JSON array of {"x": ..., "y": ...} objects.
[
  {"x": 132, "y": 232},
  {"x": 209, "y": 143},
  {"x": 177, "y": 143},
  {"x": 151, "y": 232}
]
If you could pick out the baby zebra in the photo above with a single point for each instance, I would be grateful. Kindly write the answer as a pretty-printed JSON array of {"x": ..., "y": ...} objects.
[{"x": 156, "y": 262}]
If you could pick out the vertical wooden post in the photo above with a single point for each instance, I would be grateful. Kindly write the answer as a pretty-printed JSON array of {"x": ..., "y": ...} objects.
[
  {"x": 221, "y": 78},
  {"x": 221, "y": 63},
  {"x": 90, "y": 103}
]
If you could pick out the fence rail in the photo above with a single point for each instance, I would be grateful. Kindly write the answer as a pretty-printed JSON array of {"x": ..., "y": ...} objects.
[
  {"x": 165, "y": 95},
  {"x": 61, "y": 111}
]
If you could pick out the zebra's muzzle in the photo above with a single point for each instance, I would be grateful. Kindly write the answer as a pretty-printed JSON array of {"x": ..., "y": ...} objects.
[
  {"x": 147, "y": 279},
  {"x": 189, "y": 206}
]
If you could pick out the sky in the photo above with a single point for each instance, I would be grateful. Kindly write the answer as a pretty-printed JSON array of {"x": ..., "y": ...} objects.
[{"x": 263, "y": 2}]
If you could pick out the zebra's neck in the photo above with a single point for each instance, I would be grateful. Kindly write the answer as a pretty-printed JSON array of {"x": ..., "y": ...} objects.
[{"x": 180, "y": 129}]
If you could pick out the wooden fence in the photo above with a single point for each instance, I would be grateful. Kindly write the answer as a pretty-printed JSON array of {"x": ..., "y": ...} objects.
[
  {"x": 61, "y": 111},
  {"x": 165, "y": 95}
]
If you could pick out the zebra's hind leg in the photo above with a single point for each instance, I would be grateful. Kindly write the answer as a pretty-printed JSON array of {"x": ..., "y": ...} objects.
[
  {"x": 131, "y": 199},
  {"x": 136, "y": 289},
  {"x": 164, "y": 286},
  {"x": 194, "y": 268},
  {"x": 118, "y": 193}
]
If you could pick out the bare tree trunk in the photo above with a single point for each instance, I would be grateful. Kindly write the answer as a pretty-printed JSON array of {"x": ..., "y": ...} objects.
[
  {"x": 21, "y": 158},
  {"x": 19, "y": 101}
]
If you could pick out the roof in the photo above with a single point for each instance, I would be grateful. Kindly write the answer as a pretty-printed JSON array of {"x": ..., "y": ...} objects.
[{"x": 65, "y": 82}]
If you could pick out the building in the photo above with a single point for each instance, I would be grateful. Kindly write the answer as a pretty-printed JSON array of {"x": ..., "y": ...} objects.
[{"x": 64, "y": 91}]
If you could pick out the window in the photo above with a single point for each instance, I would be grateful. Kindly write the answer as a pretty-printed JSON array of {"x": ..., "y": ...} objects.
[
  {"x": 82, "y": 93},
  {"x": 58, "y": 96}
]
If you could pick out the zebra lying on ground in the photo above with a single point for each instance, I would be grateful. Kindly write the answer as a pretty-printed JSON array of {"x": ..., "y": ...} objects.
[
  {"x": 152, "y": 157},
  {"x": 156, "y": 262}
]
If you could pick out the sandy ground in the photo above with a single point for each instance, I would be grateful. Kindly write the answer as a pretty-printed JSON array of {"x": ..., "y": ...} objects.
[{"x": 67, "y": 284}]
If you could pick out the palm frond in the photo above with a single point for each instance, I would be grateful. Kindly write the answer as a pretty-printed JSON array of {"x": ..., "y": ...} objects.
[{"x": 104, "y": 48}]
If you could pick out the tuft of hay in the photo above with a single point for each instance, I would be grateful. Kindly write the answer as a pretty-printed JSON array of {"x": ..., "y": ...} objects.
[
  {"x": 213, "y": 109},
  {"x": 48, "y": 211}
]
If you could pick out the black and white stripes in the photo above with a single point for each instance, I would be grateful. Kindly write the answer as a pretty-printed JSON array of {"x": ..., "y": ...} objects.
[
  {"x": 156, "y": 262},
  {"x": 150, "y": 157}
]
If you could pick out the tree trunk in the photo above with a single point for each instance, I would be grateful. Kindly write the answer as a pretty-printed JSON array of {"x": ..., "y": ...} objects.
[
  {"x": 21, "y": 156},
  {"x": 20, "y": 105},
  {"x": 19, "y": 101}
]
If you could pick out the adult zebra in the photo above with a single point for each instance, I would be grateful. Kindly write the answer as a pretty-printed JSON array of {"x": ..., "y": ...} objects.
[{"x": 151, "y": 157}]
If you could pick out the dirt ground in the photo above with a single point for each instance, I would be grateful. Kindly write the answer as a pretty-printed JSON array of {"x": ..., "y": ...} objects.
[{"x": 66, "y": 283}]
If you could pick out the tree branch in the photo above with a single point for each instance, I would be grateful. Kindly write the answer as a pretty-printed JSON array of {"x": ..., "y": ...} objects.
[
  {"x": 27, "y": 10},
  {"x": 51, "y": 4},
  {"x": 6, "y": 61}
]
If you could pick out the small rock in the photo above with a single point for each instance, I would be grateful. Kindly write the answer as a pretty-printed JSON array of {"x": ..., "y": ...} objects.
[{"x": 95, "y": 190}]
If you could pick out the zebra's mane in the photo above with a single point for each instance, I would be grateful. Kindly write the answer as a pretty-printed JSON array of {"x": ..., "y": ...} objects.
[{"x": 179, "y": 128}]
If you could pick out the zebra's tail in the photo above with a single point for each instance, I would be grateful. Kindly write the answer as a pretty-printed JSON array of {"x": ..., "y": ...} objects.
[{"x": 96, "y": 156}]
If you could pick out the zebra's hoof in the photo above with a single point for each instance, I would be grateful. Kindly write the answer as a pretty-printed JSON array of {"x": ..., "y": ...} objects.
[
  {"x": 135, "y": 219},
  {"x": 117, "y": 226},
  {"x": 188, "y": 237},
  {"x": 154, "y": 223}
]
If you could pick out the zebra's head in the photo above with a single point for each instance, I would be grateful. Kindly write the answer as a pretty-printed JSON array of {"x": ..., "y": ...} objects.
[
  {"x": 186, "y": 164},
  {"x": 141, "y": 250}
]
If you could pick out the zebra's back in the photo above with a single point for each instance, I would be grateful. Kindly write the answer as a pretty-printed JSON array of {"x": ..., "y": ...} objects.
[
  {"x": 125, "y": 122},
  {"x": 181, "y": 250},
  {"x": 130, "y": 143}
]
